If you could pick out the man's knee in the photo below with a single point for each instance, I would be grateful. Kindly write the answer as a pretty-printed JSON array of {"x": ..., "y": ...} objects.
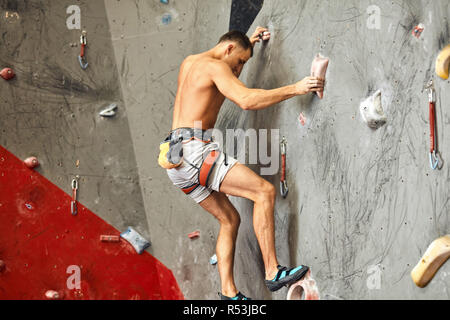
[
  {"x": 266, "y": 191},
  {"x": 231, "y": 219}
]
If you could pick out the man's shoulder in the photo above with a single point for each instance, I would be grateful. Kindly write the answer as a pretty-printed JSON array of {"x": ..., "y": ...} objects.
[{"x": 204, "y": 61}]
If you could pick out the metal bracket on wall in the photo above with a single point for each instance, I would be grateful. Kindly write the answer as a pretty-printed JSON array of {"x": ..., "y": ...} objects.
[
  {"x": 73, "y": 203},
  {"x": 82, "y": 57}
]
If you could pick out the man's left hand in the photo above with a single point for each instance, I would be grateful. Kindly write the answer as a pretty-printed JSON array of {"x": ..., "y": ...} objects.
[{"x": 260, "y": 34}]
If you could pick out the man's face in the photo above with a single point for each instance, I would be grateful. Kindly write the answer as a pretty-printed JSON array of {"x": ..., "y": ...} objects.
[{"x": 236, "y": 58}]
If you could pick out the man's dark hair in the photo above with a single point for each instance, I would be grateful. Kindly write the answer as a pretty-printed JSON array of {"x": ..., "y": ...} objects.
[{"x": 240, "y": 38}]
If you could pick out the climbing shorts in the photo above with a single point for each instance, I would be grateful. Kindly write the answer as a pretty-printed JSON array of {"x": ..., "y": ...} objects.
[{"x": 203, "y": 167}]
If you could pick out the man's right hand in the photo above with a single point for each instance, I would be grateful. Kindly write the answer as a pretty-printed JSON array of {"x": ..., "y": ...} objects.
[{"x": 310, "y": 84}]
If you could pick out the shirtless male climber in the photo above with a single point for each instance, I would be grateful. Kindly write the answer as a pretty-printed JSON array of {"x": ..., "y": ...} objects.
[{"x": 198, "y": 166}]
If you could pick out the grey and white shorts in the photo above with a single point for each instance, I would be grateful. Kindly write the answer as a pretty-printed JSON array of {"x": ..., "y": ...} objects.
[{"x": 186, "y": 176}]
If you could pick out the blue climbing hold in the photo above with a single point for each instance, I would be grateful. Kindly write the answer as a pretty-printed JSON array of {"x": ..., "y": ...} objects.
[{"x": 167, "y": 18}]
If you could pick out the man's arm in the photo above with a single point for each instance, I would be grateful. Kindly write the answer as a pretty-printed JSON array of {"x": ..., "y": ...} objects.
[{"x": 256, "y": 99}]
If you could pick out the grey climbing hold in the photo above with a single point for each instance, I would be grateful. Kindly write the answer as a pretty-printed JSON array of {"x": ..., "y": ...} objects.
[
  {"x": 372, "y": 111},
  {"x": 110, "y": 111},
  {"x": 138, "y": 242}
]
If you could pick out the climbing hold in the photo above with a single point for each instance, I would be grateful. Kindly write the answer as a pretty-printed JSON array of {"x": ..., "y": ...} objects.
[
  {"x": 166, "y": 18},
  {"x": 302, "y": 119},
  {"x": 305, "y": 288},
  {"x": 435, "y": 256},
  {"x": 2, "y": 266},
  {"x": 443, "y": 63},
  {"x": 53, "y": 295},
  {"x": 213, "y": 260},
  {"x": 319, "y": 69},
  {"x": 31, "y": 162},
  {"x": 417, "y": 31},
  {"x": 194, "y": 235},
  {"x": 110, "y": 111},
  {"x": 107, "y": 238},
  {"x": 164, "y": 1},
  {"x": 135, "y": 239},
  {"x": 372, "y": 111},
  {"x": 7, "y": 73},
  {"x": 263, "y": 34}
]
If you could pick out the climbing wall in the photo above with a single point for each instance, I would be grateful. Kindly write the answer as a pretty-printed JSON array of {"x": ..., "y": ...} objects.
[{"x": 363, "y": 204}]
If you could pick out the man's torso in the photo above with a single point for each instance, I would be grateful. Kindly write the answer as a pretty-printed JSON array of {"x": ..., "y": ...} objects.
[{"x": 197, "y": 99}]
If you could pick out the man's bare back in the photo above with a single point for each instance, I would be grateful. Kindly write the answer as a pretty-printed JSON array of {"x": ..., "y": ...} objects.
[{"x": 198, "y": 98}]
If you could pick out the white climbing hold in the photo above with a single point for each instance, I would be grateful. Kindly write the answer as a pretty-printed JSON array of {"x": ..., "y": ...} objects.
[
  {"x": 110, "y": 111},
  {"x": 372, "y": 111}
]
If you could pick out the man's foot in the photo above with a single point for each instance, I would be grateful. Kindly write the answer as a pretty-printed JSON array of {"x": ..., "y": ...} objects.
[
  {"x": 286, "y": 277},
  {"x": 239, "y": 296}
]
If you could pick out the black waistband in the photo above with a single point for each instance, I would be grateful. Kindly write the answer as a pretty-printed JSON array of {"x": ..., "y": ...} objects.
[{"x": 188, "y": 133}]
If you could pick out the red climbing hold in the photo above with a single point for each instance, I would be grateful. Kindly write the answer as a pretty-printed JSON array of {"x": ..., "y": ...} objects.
[
  {"x": 417, "y": 31},
  {"x": 107, "y": 238},
  {"x": 7, "y": 73},
  {"x": 2, "y": 266},
  {"x": 31, "y": 162},
  {"x": 194, "y": 235}
]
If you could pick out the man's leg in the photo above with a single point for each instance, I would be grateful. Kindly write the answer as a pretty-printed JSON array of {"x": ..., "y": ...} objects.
[
  {"x": 223, "y": 210},
  {"x": 242, "y": 182}
]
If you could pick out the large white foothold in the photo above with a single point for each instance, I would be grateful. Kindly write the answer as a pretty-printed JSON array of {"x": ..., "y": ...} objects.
[
  {"x": 135, "y": 239},
  {"x": 372, "y": 111},
  {"x": 305, "y": 288}
]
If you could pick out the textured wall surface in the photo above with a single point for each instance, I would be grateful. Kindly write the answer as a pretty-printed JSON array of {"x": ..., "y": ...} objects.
[{"x": 362, "y": 203}]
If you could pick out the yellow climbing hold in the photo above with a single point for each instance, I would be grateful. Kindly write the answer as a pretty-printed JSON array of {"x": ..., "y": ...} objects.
[{"x": 442, "y": 63}]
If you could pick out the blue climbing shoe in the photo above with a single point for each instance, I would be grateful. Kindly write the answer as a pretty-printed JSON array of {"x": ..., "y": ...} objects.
[
  {"x": 286, "y": 277},
  {"x": 239, "y": 296}
]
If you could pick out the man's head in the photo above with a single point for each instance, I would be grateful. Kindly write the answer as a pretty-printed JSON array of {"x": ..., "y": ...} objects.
[{"x": 238, "y": 50}]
